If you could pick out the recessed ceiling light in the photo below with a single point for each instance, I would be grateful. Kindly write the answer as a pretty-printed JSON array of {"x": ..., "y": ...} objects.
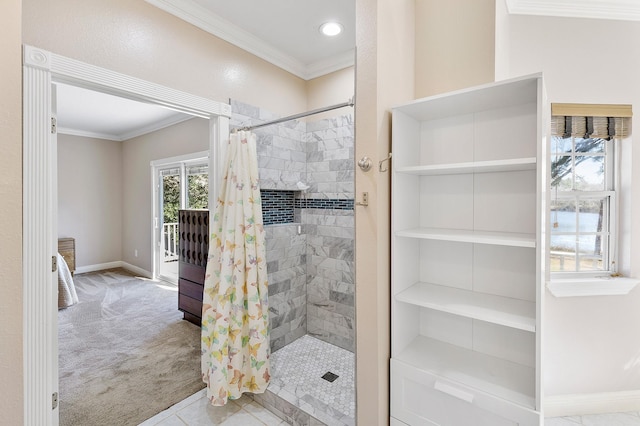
[{"x": 331, "y": 29}]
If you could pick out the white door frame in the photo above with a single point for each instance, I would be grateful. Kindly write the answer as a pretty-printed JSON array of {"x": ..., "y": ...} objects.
[{"x": 39, "y": 240}]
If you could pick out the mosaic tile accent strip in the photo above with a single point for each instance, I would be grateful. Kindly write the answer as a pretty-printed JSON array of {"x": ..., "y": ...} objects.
[
  {"x": 277, "y": 206},
  {"x": 323, "y": 203},
  {"x": 299, "y": 395}
]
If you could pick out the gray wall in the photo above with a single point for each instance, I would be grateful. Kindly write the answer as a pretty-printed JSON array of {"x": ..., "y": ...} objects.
[{"x": 90, "y": 188}]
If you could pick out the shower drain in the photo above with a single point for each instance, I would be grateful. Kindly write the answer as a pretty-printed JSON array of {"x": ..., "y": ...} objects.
[{"x": 330, "y": 377}]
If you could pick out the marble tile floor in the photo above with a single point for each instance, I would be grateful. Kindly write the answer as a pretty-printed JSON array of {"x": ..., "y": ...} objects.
[
  {"x": 610, "y": 419},
  {"x": 197, "y": 411}
]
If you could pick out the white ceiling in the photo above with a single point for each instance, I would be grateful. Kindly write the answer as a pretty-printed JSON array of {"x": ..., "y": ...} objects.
[
  {"x": 83, "y": 112},
  {"x": 283, "y": 32}
]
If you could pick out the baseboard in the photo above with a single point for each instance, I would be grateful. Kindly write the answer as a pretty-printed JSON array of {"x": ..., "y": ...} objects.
[
  {"x": 137, "y": 270},
  {"x": 111, "y": 265},
  {"x": 98, "y": 267},
  {"x": 594, "y": 403}
]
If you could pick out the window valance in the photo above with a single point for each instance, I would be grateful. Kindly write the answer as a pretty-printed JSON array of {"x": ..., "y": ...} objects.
[{"x": 591, "y": 120}]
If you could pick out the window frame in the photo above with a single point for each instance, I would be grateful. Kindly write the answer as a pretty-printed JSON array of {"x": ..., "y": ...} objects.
[{"x": 608, "y": 194}]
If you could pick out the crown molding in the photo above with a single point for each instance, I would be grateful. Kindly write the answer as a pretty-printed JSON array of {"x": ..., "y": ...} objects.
[
  {"x": 85, "y": 134},
  {"x": 170, "y": 121},
  {"x": 320, "y": 68},
  {"x": 158, "y": 125},
  {"x": 597, "y": 9},
  {"x": 205, "y": 20}
]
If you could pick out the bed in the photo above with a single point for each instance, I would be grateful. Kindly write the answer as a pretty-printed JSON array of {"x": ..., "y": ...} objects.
[{"x": 67, "y": 295}]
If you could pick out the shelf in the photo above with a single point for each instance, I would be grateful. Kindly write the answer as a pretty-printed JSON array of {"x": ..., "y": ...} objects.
[
  {"x": 502, "y": 94},
  {"x": 512, "y": 165},
  {"x": 514, "y": 313},
  {"x": 469, "y": 236},
  {"x": 474, "y": 218},
  {"x": 496, "y": 376}
]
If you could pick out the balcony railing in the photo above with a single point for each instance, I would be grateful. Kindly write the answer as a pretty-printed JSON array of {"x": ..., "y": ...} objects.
[{"x": 170, "y": 242}]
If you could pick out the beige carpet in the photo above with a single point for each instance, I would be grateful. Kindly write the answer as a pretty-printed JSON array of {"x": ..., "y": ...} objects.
[{"x": 125, "y": 354}]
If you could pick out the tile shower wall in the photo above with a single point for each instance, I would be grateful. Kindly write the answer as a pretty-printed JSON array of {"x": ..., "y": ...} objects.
[
  {"x": 311, "y": 285},
  {"x": 282, "y": 156},
  {"x": 329, "y": 223},
  {"x": 281, "y": 165},
  {"x": 286, "y": 266}
]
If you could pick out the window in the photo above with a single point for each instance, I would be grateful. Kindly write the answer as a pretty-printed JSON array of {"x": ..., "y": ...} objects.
[
  {"x": 584, "y": 200},
  {"x": 583, "y": 204},
  {"x": 198, "y": 186}
]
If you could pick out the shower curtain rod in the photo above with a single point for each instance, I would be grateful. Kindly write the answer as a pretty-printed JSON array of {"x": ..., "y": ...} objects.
[{"x": 350, "y": 103}]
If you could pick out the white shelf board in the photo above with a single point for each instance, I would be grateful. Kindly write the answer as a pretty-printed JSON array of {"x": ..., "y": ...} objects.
[
  {"x": 511, "y": 165},
  {"x": 470, "y": 236},
  {"x": 509, "y": 312},
  {"x": 502, "y": 94},
  {"x": 496, "y": 376}
]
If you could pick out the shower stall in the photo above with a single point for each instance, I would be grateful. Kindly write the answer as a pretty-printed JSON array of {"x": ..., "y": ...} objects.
[{"x": 307, "y": 188}]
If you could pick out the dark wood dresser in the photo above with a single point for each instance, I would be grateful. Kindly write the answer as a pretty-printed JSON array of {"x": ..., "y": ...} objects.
[{"x": 193, "y": 229}]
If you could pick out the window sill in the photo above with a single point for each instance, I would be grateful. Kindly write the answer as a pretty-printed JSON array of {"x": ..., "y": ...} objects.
[{"x": 605, "y": 286}]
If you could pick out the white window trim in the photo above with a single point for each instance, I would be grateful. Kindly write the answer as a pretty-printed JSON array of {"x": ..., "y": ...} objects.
[
  {"x": 591, "y": 286},
  {"x": 600, "y": 283}
]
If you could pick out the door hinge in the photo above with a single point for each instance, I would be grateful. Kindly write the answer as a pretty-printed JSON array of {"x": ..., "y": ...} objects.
[
  {"x": 54, "y": 124},
  {"x": 54, "y": 263},
  {"x": 54, "y": 400}
]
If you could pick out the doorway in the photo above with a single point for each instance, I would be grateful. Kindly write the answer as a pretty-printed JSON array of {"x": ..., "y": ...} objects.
[
  {"x": 41, "y": 68},
  {"x": 178, "y": 183}
]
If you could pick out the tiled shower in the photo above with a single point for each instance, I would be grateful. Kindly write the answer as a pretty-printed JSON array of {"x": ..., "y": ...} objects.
[{"x": 307, "y": 183}]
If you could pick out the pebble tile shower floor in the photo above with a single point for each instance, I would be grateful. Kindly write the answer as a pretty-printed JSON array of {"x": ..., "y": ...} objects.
[{"x": 297, "y": 371}]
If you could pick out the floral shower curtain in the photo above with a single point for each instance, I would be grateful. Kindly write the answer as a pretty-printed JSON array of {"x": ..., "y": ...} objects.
[{"x": 235, "y": 324}]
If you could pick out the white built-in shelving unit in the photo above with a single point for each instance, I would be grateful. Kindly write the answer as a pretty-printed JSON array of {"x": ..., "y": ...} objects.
[{"x": 468, "y": 258}]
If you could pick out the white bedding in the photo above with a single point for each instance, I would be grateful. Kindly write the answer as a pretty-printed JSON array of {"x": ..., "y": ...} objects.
[{"x": 67, "y": 295}]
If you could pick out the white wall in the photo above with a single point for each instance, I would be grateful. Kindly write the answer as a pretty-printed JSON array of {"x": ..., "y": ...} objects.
[
  {"x": 331, "y": 89},
  {"x": 90, "y": 197},
  {"x": 11, "y": 366},
  {"x": 592, "y": 344},
  {"x": 137, "y": 153},
  {"x": 385, "y": 38},
  {"x": 454, "y": 45}
]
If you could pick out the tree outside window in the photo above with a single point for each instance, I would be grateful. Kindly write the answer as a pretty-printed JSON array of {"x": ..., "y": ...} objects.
[{"x": 582, "y": 200}]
